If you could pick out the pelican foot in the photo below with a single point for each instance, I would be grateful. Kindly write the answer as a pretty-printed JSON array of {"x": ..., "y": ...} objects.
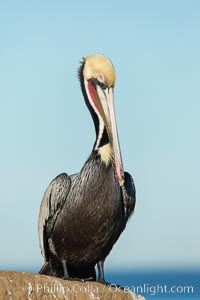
[
  {"x": 78, "y": 279},
  {"x": 101, "y": 280}
]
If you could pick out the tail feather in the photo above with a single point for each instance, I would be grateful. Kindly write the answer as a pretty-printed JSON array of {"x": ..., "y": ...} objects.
[
  {"x": 87, "y": 272},
  {"x": 46, "y": 270}
]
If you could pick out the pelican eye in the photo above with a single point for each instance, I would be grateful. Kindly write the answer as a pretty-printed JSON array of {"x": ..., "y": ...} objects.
[
  {"x": 101, "y": 81},
  {"x": 100, "y": 78}
]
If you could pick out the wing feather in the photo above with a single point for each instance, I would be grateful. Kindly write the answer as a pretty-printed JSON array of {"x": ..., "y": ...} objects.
[
  {"x": 52, "y": 202},
  {"x": 129, "y": 195}
]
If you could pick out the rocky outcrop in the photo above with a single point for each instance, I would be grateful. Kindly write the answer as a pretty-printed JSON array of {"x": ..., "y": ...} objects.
[{"x": 22, "y": 286}]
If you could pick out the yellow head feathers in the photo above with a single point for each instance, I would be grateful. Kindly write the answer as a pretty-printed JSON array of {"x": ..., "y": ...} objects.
[{"x": 96, "y": 65}]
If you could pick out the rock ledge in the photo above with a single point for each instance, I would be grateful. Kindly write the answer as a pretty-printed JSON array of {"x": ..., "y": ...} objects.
[{"x": 20, "y": 285}]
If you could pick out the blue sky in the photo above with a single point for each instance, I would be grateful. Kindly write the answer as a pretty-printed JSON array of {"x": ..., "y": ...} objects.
[{"x": 46, "y": 128}]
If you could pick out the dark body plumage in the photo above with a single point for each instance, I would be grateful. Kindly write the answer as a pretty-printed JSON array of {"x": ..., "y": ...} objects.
[{"x": 83, "y": 215}]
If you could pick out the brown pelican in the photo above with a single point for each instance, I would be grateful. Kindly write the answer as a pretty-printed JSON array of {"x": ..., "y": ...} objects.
[{"x": 82, "y": 215}]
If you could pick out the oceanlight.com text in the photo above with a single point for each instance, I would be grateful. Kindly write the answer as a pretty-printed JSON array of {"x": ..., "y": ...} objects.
[{"x": 97, "y": 289}]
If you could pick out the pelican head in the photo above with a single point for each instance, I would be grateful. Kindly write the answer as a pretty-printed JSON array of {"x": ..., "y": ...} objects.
[
  {"x": 99, "y": 67},
  {"x": 97, "y": 77}
]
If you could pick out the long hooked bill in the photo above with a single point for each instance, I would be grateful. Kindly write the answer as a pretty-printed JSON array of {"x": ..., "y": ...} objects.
[{"x": 106, "y": 98}]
